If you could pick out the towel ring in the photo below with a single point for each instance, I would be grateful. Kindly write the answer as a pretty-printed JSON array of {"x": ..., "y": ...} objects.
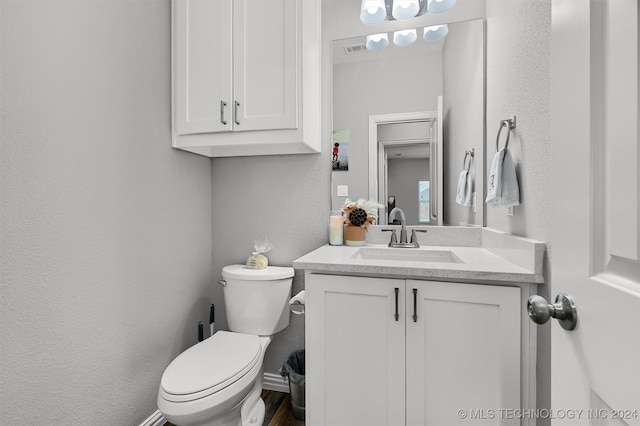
[{"x": 510, "y": 123}]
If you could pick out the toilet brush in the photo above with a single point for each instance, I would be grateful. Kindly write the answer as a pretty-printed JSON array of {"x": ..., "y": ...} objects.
[
  {"x": 200, "y": 331},
  {"x": 212, "y": 318}
]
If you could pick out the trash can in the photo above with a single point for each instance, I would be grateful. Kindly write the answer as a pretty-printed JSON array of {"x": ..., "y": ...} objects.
[{"x": 293, "y": 368}]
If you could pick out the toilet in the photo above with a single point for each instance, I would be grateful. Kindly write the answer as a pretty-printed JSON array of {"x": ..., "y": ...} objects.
[{"x": 218, "y": 382}]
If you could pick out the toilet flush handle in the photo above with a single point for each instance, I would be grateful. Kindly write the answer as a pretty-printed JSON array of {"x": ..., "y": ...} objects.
[{"x": 223, "y": 283}]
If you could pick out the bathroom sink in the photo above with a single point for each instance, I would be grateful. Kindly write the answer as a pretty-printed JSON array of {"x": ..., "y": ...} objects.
[{"x": 406, "y": 255}]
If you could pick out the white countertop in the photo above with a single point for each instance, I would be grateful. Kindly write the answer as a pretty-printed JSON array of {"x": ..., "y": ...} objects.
[{"x": 520, "y": 261}]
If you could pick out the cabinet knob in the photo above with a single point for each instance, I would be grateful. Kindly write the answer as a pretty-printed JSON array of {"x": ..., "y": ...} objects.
[{"x": 564, "y": 310}]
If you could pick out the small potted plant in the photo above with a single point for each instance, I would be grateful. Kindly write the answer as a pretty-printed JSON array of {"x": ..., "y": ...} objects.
[{"x": 359, "y": 216}]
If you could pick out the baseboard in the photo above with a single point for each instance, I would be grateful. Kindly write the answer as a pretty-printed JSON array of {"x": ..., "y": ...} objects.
[
  {"x": 275, "y": 382},
  {"x": 155, "y": 419}
]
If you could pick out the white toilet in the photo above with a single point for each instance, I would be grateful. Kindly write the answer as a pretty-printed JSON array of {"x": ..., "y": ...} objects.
[{"x": 219, "y": 381}]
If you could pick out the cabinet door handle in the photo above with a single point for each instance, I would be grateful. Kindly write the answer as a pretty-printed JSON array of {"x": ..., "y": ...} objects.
[
  {"x": 415, "y": 305},
  {"x": 223, "y": 104},
  {"x": 396, "y": 316},
  {"x": 235, "y": 112}
]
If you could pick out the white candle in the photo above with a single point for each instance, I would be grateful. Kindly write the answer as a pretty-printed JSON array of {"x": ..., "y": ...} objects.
[{"x": 335, "y": 229}]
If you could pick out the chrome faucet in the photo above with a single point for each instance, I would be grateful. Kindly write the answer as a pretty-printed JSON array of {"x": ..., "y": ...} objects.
[
  {"x": 403, "y": 232},
  {"x": 403, "y": 221}
]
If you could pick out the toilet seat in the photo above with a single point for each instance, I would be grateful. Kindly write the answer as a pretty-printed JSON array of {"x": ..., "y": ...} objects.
[{"x": 210, "y": 366}]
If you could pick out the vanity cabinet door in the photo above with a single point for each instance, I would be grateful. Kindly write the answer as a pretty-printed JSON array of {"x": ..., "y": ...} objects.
[
  {"x": 355, "y": 364},
  {"x": 463, "y": 353}
]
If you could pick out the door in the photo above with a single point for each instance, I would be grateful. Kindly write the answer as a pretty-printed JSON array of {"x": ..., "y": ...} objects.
[
  {"x": 355, "y": 351},
  {"x": 595, "y": 238},
  {"x": 463, "y": 352}
]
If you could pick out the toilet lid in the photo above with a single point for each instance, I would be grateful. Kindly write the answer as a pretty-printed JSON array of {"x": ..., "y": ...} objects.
[
  {"x": 211, "y": 364},
  {"x": 241, "y": 272}
]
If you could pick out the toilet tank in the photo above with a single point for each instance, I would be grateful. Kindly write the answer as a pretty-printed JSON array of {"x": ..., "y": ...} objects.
[{"x": 257, "y": 300}]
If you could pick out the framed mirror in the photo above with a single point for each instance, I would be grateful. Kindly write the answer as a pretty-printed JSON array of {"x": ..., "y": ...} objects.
[{"x": 407, "y": 115}]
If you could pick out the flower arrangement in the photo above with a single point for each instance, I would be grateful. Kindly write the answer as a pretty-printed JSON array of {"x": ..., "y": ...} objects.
[{"x": 362, "y": 213}]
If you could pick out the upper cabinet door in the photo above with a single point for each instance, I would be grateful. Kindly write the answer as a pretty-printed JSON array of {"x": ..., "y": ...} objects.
[
  {"x": 266, "y": 64},
  {"x": 202, "y": 66}
]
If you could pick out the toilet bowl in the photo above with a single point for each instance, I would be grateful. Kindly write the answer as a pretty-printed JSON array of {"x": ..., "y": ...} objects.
[{"x": 218, "y": 382}]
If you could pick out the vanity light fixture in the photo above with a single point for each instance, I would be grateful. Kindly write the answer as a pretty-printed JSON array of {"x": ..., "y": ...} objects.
[
  {"x": 404, "y": 37},
  {"x": 376, "y": 11},
  {"x": 377, "y": 41},
  {"x": 435, "y": 32}
]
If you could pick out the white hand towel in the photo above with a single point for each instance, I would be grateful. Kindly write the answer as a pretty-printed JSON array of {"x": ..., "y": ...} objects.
[
  {"x": 493, "y": 181},
  {"x": 462, "y": 186},
  {"x": 467, "y": 195},
  {"x": 502, "y": 185},
  {"x": 463, "y": 194}
]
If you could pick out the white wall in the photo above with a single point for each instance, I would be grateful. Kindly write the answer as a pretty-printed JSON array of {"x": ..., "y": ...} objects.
[
  {"x": 519, "y": 82},
  {"x": 105, "y": 230}
]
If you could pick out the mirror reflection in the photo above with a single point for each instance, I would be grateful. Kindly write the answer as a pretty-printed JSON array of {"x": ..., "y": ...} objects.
[{"x": 404, "y": 116}]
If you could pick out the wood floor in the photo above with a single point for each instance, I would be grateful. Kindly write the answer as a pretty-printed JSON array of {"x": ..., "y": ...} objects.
[{"x": 278, "y": 410}]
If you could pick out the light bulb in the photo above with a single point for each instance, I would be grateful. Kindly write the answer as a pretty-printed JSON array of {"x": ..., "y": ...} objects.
[
  {"x": 372, "y": 12},
  {"x": 435, "y": 32},
  {"x": 377, "y": 41},
  {"x": 440, "y": 6},
  {"x": 404, "y": 37},
  {"x": 405, "y": 9}
]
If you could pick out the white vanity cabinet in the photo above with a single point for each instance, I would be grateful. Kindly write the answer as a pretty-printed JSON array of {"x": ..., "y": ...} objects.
[
  {"x": 246, "y": 76},
  {"x": 451, "y": 347}
]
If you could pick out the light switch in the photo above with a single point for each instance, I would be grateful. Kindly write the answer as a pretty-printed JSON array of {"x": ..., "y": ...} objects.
[{"x": 342, "y": 190}]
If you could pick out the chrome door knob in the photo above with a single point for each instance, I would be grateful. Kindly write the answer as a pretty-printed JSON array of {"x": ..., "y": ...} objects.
[{"x": 564, "y": 310}]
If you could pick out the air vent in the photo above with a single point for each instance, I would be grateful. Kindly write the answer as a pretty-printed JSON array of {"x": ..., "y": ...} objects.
[{"x": 354, "y": 48}]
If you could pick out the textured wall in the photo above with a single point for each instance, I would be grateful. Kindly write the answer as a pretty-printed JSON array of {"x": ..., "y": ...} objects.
[
  {"x": 519, "y": 82},
  {"x": 105, "y": 230}
]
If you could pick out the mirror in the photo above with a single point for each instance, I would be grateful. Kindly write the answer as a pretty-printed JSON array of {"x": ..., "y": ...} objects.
[{"x": 404, "y": 117}]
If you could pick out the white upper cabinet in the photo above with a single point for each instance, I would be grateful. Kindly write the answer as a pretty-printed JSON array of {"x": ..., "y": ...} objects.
[{"x": 246, "y": 76}]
